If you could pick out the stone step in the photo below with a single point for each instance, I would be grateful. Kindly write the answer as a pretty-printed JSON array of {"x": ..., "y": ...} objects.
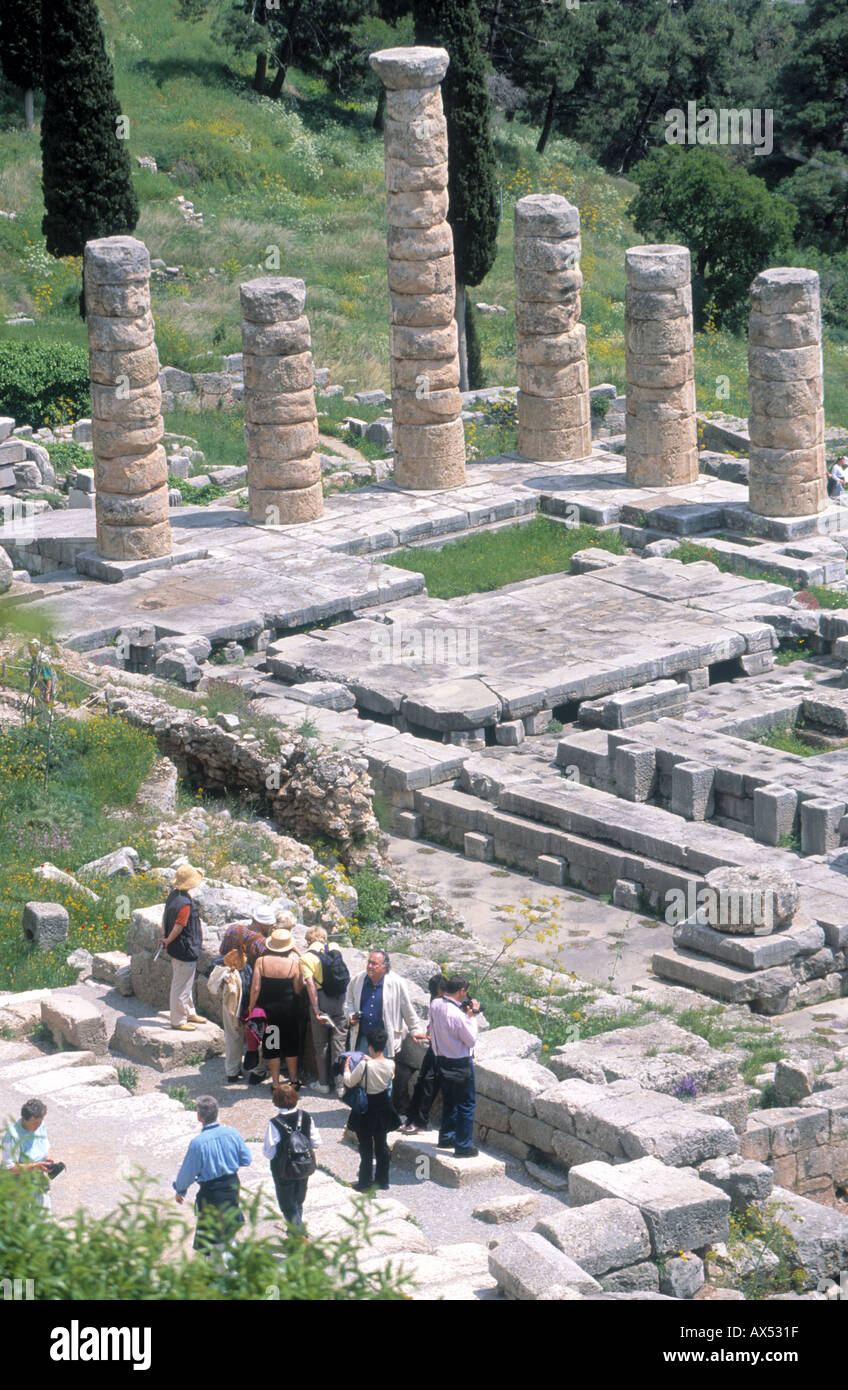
[
  {"x": 49, "y": 1083},
  {"x": 801, "y": 937},
  {"x": 34, "y": 1066},
  {"x": 680, "y": 1211},
  {"x": 82, "y": 1097},
  {"x": 731, "y": 983},
  {"x": 156, "y": 1044},
  {"x": 439, "y": 1165},
  {"x": 449, "y": 1273},
  {"x": 14, "y": 1052}
]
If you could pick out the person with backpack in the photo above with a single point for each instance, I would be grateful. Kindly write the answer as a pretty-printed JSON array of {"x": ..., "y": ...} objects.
[
  {"x": 326, "y": 978},
  {"x": 182, "y": 938},
  {"x": 290, "y": 1143},
  {"x": 374, "y": 1074}
]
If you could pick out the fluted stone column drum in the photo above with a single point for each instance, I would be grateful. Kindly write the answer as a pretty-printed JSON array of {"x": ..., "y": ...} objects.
[
  {"x": 788, "y": 475},
  {"x": 130, "y": 469},
  {"x": 661, "y": 427},
  {"x": 553, "y": 375},
  {"x": 281, "y": 420},
  {"x": 427, "y": 434}
]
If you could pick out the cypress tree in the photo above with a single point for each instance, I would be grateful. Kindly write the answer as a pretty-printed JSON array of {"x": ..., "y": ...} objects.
[
  {"x": 88, "y": 190},
  {"x": 472, "y": 172},
  {"x": 20, "y": 49}
]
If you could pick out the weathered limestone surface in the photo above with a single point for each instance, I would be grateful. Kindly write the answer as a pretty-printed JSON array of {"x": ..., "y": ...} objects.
[
  {"x": 553, "y": 376},
  {"x": 281, "y": 421},
  {"x": 662, "y": 440},
  {"x": 786, "y": 405},
  {"x": 130, "y": 470},
  {"x": 428, "y": 436}
]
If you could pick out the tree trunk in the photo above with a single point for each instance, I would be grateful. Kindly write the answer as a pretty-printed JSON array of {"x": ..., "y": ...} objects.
[
  {"x": 381, "y": 106},
  {"x": 493, "y": 27},
  {"x": 29, "y": 111},
  {"x": 285, "y": 58},
  {"x": 459, "y": 314},
  {"x": 637, "y": 135},
  {"x": 259, "y": 75},
  {"x": 549, "y": 119}
]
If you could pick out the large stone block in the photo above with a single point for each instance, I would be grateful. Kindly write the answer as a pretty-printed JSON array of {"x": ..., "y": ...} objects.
[
  {"x": 45, "y": 925},
  {"x": 154, "y": 1043},
  {"x": 515, "y": 1084},
  {"x": 603, "y": 1236},
  {"x": 680, "y": 1211},
  {"x": 527, "y": 1267},
  {"x": 76, "y": 1021},
  {"x": 268, "y": 299}
]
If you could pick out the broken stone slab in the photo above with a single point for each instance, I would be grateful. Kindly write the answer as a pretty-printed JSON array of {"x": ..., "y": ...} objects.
[
  {"x": 527, "y": 1267},
  {"x": 600, "y": 1237},
  {"x": 21, "y": 1013},
  {"x": 749, "y": 952},
  {"x": 768, "y": 989},
  {"x": 34, "y": 1066},
  {"x": 743, "y": 1179},
  {"x": 156, "y": 1044},
  {"x": 820, "y": 1234},
  {"x": 325, "y": 694},
  {"x": 634, "y": 1279},
  {"x": 507, "y": 1041},
  {"x": 680, "y": 1211},
  {"x": 499, "y": 1210},
  {"x": 45, "y": 925},
  {"x": 178, "y": 665},
  {"x": 121, "y": 863},
  {"x": 197, "y": 646},
  {"x": 794, "y": 1080},
  {"x": 74, "y": 1020},
  {"x": 682, "y": 1276},
  {"x": 657, "y": 1055}
]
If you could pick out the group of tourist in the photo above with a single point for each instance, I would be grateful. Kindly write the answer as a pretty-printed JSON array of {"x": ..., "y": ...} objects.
[{"x": 273, "y": 996}]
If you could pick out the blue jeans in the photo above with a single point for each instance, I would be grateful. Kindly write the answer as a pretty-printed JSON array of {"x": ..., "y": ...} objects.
[{"x": 456, "y": 1076}]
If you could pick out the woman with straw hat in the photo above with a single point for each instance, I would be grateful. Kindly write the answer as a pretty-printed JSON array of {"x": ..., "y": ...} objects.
[
  {"x": 276, "y": 985},
  {"x": 182, "y": 938}
]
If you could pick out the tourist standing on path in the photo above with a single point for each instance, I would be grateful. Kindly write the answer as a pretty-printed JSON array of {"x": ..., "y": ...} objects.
[
  {"x": 241, "y": 946},
  {"x": 453, "y": 1033},
  {"x": 375, "y": 1074},
  {"x": 277, "y": 983},
  {"x": 427, "y": 1085},
  {"x": 378, "y": 999},
  {"x": 326, "y": 978},
  {"x": 182, "y": 938},
  {"x": 212, "y": 1160},
  {"x": 26, "y": 1148},
  {"x": 291, "y": 1190}
]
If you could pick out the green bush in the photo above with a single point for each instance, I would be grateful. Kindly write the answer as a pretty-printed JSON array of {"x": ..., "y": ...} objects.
[
  {"x": 373, "y": 894},
  {"x": 44, "y": 383},
  {"x": 137, "y": 1252},
  {"x": 65, "y": 455}
]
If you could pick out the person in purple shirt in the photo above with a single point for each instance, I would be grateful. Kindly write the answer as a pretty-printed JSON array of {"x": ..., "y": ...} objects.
[{"x": 453, "y": 1033}]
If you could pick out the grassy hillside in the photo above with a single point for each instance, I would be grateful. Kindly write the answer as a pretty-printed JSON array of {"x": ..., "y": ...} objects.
[{"x": 303, "y": 178}]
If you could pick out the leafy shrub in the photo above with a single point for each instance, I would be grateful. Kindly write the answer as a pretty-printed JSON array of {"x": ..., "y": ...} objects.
[
  {"x": 373, "y": 894},
  {"x": 43, "y": 382},
  {"x": 65, "y": 455}
]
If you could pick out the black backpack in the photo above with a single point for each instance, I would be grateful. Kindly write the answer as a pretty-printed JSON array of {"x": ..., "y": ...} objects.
[
  {"x": 294, "y": 1156},
  {"x": 335, "y": 975}
]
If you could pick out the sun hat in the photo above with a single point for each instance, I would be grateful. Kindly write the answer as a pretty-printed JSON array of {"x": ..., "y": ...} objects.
[
  {"x": 285, "y": 920},
  {"x": 264, "y": 915},
  {"x": 187, "y": 877},
  {"x": 280, "y": 941}
]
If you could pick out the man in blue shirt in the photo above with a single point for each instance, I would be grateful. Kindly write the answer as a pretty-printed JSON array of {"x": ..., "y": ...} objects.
[{"x": 213, "y": 1159}]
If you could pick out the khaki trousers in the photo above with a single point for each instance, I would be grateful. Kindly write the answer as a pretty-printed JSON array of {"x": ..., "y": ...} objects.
[{"x": 182, "y": 981}]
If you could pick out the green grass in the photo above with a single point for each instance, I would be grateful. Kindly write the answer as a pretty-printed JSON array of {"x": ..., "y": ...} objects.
[
  {"x": 792, "y": 740},
  {"x": 96, "y": 765},
  {"x": 477, "y": 564},
  {"x": 813, "y": 595}
]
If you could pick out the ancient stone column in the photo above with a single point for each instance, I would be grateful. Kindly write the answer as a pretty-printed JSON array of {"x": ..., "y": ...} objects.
[
  {"x": 786, "y": 417},
  {"x": 553, "y": 376},
  {"x": 662, "y": 434},
  {"x": 428, "y": 436},
  {"x": 130, "y": 469},
  {"x": 281, "y": 422}
]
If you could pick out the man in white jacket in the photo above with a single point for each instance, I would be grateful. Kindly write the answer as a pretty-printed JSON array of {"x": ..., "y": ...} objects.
[{"x": 378, "y": 999}]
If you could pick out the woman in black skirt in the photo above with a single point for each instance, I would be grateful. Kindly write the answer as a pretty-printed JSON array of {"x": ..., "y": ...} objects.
[
  {"x": 375, "y": 1074},
  {"x": 276, "y": 984}
]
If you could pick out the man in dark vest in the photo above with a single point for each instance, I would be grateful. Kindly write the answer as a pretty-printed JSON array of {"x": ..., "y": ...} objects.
[{"x": 182, "y": 937}]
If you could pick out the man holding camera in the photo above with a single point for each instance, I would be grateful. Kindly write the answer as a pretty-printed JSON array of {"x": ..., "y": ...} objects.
[{"x": 453, "y": 1034}]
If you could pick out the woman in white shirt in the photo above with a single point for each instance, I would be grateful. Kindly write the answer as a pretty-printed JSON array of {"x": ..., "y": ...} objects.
[{"x": 375, "y": 1073}]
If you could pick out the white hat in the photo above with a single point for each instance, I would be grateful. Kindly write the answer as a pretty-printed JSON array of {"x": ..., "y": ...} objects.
[{"x": 264, "y": 915}]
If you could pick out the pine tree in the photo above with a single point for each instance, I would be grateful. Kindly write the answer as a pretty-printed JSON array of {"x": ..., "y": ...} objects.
[
  {"x": 814, "y": 83},
  {"x": 88, "y": 190},
  {"x": 472, "y": 171},
  {"x": 20, "y": 49}
]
